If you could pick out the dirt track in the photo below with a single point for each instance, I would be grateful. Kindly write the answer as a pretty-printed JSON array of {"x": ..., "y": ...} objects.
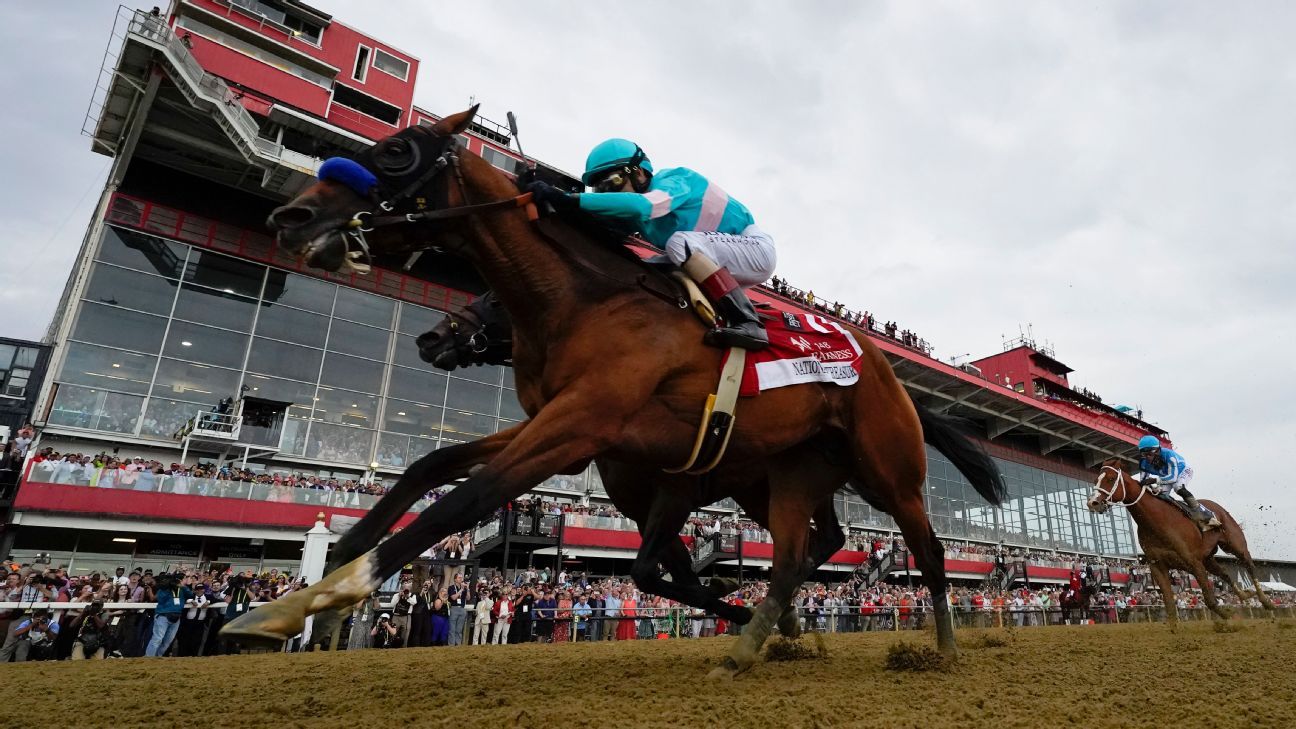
[{"x": 1084, "y": 676}]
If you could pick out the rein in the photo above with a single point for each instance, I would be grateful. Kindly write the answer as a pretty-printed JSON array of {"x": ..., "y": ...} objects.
[
  {"x": 1118, "y": 481},
  {"x": 366, "y": 221}
]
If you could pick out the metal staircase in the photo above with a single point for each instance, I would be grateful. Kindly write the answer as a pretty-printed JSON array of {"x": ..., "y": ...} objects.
[
  {"x": 138, "y": 39},
  {"x": 711, "y": 550}
]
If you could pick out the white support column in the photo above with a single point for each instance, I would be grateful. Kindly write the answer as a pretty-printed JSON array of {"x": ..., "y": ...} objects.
[{"x": 314, "y": 554}]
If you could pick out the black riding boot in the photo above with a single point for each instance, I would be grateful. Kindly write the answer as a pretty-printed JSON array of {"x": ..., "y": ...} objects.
[
  {"x": 742, "y": 327},
  {"x": 1199, "y": 516}
]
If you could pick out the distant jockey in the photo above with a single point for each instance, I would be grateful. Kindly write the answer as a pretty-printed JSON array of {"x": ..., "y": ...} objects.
[
  {"x": 708, "y": 234},
  {"x": 1170, "y": 472}
]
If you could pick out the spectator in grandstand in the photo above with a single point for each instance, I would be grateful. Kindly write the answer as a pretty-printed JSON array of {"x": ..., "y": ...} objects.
[
  {"x": 385, "y": 634},
  {"x": 502, "y": 615},
  {"x": 32, "y": 638},
  {"x": 482, "y": 617},
  {"x": 172, "y": 594},
  {"x": 458, "y": 596}
]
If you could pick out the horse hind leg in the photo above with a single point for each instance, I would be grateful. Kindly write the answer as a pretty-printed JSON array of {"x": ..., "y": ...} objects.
[
  {"x": 1235, "y": 544},
  {"x": 1215, "y": 568},
  {"x": 826, "y": 538}
]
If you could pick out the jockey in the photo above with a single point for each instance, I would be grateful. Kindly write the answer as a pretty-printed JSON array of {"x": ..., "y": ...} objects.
[
  {"x": 708, "y": 234},
  {"x": 1169, "y": 471}
]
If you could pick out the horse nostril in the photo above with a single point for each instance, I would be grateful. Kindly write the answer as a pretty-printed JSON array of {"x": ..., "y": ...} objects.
[{"x": 289, "y": 217}]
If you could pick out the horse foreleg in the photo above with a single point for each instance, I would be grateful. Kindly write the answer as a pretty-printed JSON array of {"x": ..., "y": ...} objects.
[
  {"x": 1161, "y": 574},
  {"x": 792, "y": 503},
  {"x": 825, "y": 539},
  {"x": 1208, "y": 593},
  {"x": 431, "y": 471},
  {"x": 559, "y": 436}
]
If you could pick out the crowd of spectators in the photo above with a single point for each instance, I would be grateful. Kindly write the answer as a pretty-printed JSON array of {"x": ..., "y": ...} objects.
[
  {"x": 861, "y": 319},
  {"x": 181, "y": 611}
]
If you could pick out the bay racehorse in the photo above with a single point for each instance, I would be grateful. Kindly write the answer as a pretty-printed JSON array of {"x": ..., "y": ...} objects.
[
  {"x": 1173, "y": 541},
  {"x": 603, "y": 370}
]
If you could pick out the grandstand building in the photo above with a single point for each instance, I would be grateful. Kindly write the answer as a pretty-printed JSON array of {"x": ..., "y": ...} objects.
[{"x": 216, "y": 111}]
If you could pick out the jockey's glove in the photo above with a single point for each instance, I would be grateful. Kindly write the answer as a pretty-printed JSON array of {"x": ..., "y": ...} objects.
[
  {"x": 562, "y": 201},
  {"x": 1148, "y": 481}
]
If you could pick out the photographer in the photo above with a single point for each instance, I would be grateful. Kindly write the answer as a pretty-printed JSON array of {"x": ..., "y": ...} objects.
[
  {"x": 172, "y": 593},
  {"x": 385, "y": 634},
  {"x": 35, "y": 637},
  {"x": 238, "y": 600},
  {"x": 193, "y": 621},
  {"x": 402, "y": 606},
  {"x": 91, "y": 635}
]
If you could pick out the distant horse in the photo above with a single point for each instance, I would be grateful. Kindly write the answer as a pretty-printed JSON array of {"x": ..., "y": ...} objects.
[
  {"x": 605, "y": 371},
  {"x": 1076, "y": 601},
  {"x": 1172, "y": 541}
]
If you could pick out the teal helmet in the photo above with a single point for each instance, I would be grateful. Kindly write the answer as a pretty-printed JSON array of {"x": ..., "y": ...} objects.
[
  {"x": 1148, "y": 442},
  {"x": 612, "y": 154}
]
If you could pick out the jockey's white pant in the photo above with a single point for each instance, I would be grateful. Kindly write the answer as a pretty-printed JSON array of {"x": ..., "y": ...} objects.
[
  {"x": 749, "y": 256},
  {"x": 1184, "y": 479}
]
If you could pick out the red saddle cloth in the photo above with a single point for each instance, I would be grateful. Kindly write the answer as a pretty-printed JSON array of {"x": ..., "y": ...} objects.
[{"x": 803, "y": 348}]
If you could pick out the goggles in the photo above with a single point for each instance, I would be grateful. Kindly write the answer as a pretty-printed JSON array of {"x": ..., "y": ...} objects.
[{"x": 612, "y": 181}]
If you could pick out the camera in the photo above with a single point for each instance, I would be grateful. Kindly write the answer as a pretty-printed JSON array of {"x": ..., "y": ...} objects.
[{"x": 167, "y": 581}]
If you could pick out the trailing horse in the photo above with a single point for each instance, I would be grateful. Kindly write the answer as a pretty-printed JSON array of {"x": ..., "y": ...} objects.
[
  {"x": 1172, "y": 541},
  {"x": 605, "y": 371}
]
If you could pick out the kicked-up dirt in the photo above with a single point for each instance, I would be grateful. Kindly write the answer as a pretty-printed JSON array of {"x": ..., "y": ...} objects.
[{"x": 1098, "y": 675}]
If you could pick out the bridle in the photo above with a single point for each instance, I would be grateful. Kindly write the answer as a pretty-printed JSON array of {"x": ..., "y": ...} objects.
[
  {"x": 1118, "y": 481},
  {"x": 365, "y": 221}
]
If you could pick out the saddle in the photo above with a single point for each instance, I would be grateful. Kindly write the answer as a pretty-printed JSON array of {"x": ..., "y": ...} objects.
[{"x": 1188, "y": 512}]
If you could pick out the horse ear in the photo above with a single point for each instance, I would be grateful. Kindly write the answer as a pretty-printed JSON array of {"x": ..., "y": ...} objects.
[{"x": 455, "y": 123}]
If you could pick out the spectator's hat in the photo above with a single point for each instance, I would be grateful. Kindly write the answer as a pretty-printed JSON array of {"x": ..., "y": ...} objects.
[{"x": 385, "y": 615}]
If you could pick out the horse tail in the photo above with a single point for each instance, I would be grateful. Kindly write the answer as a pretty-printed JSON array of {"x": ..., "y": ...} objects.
[{"x": 950, "y": 437}]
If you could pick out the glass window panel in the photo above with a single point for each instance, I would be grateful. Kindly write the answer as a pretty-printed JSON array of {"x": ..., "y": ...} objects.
[
  {"x": 84, "y": 407},
  {"x": 302, "y": 292},
  {"x": 488, "y": 374},
  {"x": 460, "y": 426},
  {"x": 411, "y": 418},
  {"x": 364, "y": 308},
  {"x": 292, "y": 325},
  {"x": 352, "y": 373},
  {"x": 270, "y": 388},
  {"x": 406, "y": 354},
  {"x": 346, "y": 408},
  {"x": 7, "y": 352},
  {"x": 27, "y": 357},
  {"x": 284, "y": 360},
  {"x": 215, "y": 307},
  {"x": 223, "y": 273},
  {"x": 359, "y": 340},
  {"x": 415, "y": 320},
  {"x": 120, "y": 287},
  {"x": 205, "y": 344},
  {"x": 163, "y": 416},
  {"x": 510, "y": 407},
  {"x": 142, "y": 252},
  {"x": 293, "y": 442},
  {"x": 339, "y": 443},
  {"x": 393, "y": 449},
  {"x": 102, "y": 367},
  {"x": 472, "y": 396},
  {"x": 509, "y": 380},
  {"x": 119, "y": 328},
  {"x": 17, "y": 384},
  {"x": 195, "y": 382},
  {"x": 420, "y": 447},
  {"x": 417, "y": 385}
]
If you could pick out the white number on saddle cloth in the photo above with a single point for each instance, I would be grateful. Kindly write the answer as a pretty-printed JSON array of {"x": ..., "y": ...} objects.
[{"x": 813, "y": 349}]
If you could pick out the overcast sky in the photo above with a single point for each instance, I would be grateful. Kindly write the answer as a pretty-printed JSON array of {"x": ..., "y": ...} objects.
[{"x": 1121, "y": 176}]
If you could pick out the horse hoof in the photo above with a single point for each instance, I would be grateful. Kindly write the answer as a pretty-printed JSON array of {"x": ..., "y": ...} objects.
[
  {"x": 789, "y": 625},
  {"x": 726, "y": 671},
  {"x": 266, "y": 625},
  {"x": 722, "y": 586}
]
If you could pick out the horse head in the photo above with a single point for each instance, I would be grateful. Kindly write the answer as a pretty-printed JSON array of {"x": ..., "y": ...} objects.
[
  {"x": 478, "y": 334},
  {"x": 354, "y": 212},
  {"x": 1115, "y": 485}
]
